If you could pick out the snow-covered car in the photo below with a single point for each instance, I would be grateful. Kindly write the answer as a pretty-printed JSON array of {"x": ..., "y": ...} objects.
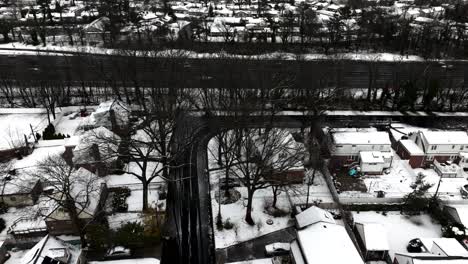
[
  {"x": 118, "y": 252},
  {"x": 277, "y": 249}
]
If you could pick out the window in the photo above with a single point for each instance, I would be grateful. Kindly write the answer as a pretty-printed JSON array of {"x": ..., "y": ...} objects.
[
  {"x": 381, "y": 147},
  {"x": 339, "y": 146},
  {"x": 12, "y": 198},
  {"x": 429, "y": 157},
  {"x": 353, "y": 146},
  {"x": 461, "y": 147},
  {"x": 352, "y": 157},
  {"x": 433, "y": 147},
  {"x": 453, "y": 146}
]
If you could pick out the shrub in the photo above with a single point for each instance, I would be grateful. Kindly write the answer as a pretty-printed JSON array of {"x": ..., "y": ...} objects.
[
  {"x": 130, "y": 235},
  {"x": 49, "y": 133},
  {"x": 119, "y": 201},
  {"x": 228, "y": 225}
]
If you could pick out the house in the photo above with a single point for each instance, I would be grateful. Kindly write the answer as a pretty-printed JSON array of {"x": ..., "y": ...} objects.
[
  {"x": 345, "y": 146},
  {"x": 408, "y": 150},
  {"x": 319, "y": 237},
  {"x": 52, "y": 250},
  {"x": 286, "y": 161},
  {"x": 440, "y": 145},
  {"x": 372, "y": 238},
  {"x": 113, "y": 115},
  {"x": 96, "y": 151},
  {"x": 435, "y": 251},
  {"x": 28, "y": 227},
  {"x": 447, "y": 169},
  {"x": 19, "y": 190},
  {"x": 88, "y": 201}
]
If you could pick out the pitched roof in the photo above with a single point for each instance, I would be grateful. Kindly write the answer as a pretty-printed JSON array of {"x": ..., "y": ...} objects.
[
  {"x": 313, "y": 215},
  {"x": 362, "y": 138}
]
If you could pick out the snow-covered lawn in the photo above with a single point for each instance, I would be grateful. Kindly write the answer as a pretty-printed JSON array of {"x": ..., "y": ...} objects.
[
  {"x": 318, "y": 191},
  {"x": 235, "y": 212},
  {"x": 401, "y": 228},
  {"x": 15, "y": 126}
]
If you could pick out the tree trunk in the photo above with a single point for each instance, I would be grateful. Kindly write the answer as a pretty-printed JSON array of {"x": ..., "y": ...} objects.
[
  {"x": 248, "y": 212},
  {"x": 145, "y": 196}
]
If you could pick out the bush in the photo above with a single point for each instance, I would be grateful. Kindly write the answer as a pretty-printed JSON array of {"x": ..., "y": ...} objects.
[
  {"x": 130, "y": 235},
  {"x": 119, "y": 201},
  {"x": 228, "y": 225},
  {"x": 49, "y": 133}
]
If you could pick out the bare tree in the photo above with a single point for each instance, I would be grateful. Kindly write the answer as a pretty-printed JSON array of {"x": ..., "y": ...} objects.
[
  {"x": 75, "y": 192},
  {"x": 263, "y": 158}
]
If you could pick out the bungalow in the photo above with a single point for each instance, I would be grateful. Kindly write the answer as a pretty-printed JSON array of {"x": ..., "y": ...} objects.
[
  {"x": 318, "y": 244},
  {"x": 345, "y": 147},
  {"x": 52, "y": 250},
  {"x": 89, "y": 204},
  {"x": 372, "y": 238}
]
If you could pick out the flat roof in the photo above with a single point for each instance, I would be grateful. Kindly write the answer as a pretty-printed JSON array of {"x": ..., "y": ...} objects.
[
  {"x": 371, "y": 157},
  {"x": 411, "y": 147},
  {"x": 324, "y": 243},
  {"x": 362, "y": 138},
  {"x": 446, "y": 137}
]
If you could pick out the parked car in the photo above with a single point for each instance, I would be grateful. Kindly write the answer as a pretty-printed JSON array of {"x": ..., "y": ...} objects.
[
  {"x": 415, "y": 246},
  {"x": 230, "y": 183},
  {"x": 277, "y": 249},
  {"x": 118, "y": 252}
]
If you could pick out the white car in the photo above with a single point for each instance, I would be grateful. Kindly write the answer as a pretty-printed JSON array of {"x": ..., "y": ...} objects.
[{"x": 277, "y": 249}]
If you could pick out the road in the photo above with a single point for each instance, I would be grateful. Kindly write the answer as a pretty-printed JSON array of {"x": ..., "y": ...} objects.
[{"x": 103, "y": 70}]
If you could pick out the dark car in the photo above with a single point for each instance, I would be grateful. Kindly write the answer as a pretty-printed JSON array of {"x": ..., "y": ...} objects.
[
  {"x": 118, "y": 252},
  {"x": 415, "y": 246}
]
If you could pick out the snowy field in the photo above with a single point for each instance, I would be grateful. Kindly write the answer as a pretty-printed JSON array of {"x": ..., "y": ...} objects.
[{"x": 401, "y": 228}]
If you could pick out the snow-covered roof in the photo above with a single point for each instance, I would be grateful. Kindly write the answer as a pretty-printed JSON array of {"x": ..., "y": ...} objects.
[
  {"x": 361, "y": 138},
  {"x": 106, "y": 140},
  {"x": 51, "y": 247},
  {"x": 371, "y": 157},
  {"x": 446, "y": 137},
  {"x": 375, "y": 236},
  {"x": 411, "y": 147},
  {"x": 313, "y": 215},
  {"x": 324, "y": 243},
  {"x": 101, "y": 116},
  {"x": 450, "y": 246}
]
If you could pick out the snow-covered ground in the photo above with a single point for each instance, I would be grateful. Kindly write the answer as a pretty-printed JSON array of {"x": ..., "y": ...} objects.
[
  {"x": 235, "y": 212},
  {"x": 396, "y": 184},
  {"x": 401, "y": 228},
  {"x": 318, "y": 191},
  {"x": 15, "y": 126},
  {"x": 14, "y": 213}
]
